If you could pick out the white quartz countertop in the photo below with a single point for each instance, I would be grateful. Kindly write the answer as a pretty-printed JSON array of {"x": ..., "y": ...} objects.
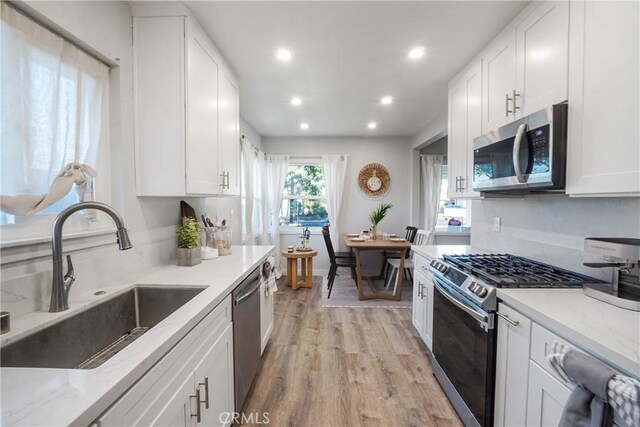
[
  {"x": 610, "y": 333},
  {"x": 38, "y": 396},
  {"x": 437, "y": 251}
]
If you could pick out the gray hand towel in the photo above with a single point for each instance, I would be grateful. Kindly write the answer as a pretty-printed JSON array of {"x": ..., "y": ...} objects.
[{"x": 587, "y": 404}]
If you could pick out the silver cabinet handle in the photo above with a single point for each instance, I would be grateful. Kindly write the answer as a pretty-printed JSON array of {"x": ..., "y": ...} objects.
[
  {"x": 516, "y": 151},
  {"x": 515, "y": 95},
  {"x": 222, "y": 175},
  {"x": 462, "y": 187},
  {"x": 457, "y": 184},
  {"x": 228, "y": 185},
  {"x": 198, "y": 414},
  {"x": 505, "y": 317},
  {"x": 506, "y": 105},
  {"x": 420, "y": 289},
  {"x": 206, "y": 391}
]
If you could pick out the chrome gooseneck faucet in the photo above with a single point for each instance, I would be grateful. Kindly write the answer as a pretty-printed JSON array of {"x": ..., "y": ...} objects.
[{"x": 61, "y": 284}]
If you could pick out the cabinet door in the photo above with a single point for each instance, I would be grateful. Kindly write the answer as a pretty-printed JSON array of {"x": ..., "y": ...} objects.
[
  {"x": 473, "y": 128},
  {"x": 266, "y": 315},
  {"x": 178, "y": 410},
  {"x": 230, "y": 136},
  {"x": 214, "y": 378},
  {"x": 546, "y": 398},
  {"x": 202, "y": 118},
  {"x": 603, "y": 148},
  {"x": 542, "y": 66},
  {"x": 159, "y": 95},
  {"x": 418, "y": 313},
  {"x": 512, "y": 368},
  {"x": 428, "y": 312},
  {"x": 456, "y": 159},
  {"x": 498, "y": 81}
]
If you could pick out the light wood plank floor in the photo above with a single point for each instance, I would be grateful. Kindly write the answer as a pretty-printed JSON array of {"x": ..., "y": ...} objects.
[{"x": 345, "y": 367}]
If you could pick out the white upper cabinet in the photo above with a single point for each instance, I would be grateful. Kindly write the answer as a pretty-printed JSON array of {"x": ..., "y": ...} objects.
[
  {"x": 525, "y": 68},
  {"x": 498, "y": 81},
  {"x": 542, "y": 51},
  {"x": 229, "y": 135},
  {"x": 603, "y": 133},
  {"x": 202, "y": 114},
  {"x": 465, "y": 123},
  {"x": 186, "y": 111}
]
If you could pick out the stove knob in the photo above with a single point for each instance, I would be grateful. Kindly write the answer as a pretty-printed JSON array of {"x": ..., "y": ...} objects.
[
  {"x": 442, "y": 268},
  {"x": 481, "y": 291},
  {"x": 472, "y": 286}
]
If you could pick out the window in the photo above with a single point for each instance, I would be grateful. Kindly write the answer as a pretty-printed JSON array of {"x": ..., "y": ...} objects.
[
  {"x": 304, "y": 201},
  {"x": 453, "y": 215},
  {"x": 54, "y": 112}
]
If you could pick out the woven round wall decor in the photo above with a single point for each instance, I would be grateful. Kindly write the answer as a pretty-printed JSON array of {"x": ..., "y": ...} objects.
[{"x": 374, "y": 180}]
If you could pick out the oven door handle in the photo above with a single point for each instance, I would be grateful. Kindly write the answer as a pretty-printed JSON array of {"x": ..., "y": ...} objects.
[
  {"x": 475, "y": 314},
  {"x": 516, "y": 152}
]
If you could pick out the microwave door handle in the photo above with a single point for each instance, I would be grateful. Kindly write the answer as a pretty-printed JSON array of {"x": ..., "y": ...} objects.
[{"x": 516, "y": 152}]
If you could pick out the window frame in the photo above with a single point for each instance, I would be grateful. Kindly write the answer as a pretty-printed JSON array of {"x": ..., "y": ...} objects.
[{"x": 302, "y": 161}]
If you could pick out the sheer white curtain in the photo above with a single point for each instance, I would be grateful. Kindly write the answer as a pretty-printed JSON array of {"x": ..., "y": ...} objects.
[
  {"x": 275, "y": 177},
  {"x": 53, "y": 118},
  {"x": 431, "y": 180},
  {"x": 247, "y": 166},
  {"x": 335, "y": 170}
]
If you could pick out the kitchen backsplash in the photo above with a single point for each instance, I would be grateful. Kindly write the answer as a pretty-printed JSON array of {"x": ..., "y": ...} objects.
[{"x": 551, "y": 228}]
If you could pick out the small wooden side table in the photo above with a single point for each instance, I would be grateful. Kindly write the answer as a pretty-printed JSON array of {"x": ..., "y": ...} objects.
[{"x": 306, "y": 267}]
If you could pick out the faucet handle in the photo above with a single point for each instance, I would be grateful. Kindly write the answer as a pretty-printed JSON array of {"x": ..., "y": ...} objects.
[{"x": 71, "y": 274}]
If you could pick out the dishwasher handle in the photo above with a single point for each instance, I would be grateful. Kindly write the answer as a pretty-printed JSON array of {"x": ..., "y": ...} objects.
[{"x": 240, "y": 298}]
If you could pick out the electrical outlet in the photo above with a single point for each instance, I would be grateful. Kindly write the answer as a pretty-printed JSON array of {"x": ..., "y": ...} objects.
[{"x": 496, "y": 224}]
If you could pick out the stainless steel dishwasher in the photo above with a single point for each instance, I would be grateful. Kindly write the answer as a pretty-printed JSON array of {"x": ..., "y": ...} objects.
[{"x": 246, "y": 335}]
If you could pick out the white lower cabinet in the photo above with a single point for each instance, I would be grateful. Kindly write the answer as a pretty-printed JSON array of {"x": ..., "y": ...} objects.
[
  {"x": 546, "y": 398},
  {"x": 528, "y": 391},
  {"x": 512, "y": 361},
  {"x": 266, "y": 316},
  {"x": 422, "y": 315},
  {"x": 192, "y": 385}
]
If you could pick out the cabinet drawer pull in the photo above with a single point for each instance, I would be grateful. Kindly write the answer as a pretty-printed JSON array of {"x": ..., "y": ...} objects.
[
  {"x": 198, "y": 414},
  {"x": 505, "y": 317},
  {"x": 206, "y": 391},
  {"x": 462, "y": 187}
]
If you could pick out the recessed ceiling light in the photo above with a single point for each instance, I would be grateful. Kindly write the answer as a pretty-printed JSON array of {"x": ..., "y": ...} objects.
[
  {"x": 296, "y": 101},
  {"x": 284, "y": 54},
  {"x": 386, "y": 100},
  {"x": 372, "y": 125},
  {"x": 304, "y": 125},
  {"x": 416, "y": 52}
]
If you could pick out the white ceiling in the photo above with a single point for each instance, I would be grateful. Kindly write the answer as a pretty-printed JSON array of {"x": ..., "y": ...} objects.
[{"x": 346, "y": 56}]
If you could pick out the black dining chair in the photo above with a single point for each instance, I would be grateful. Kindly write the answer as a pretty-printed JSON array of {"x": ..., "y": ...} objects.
[
  {"x": 337, "y": 259},
  {"x": 410, "y": 235}
]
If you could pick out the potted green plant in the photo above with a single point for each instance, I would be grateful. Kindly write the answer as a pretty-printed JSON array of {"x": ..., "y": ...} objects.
[
  {"x": 378, "y": 215},
  {"x": 188, "y": 233}
]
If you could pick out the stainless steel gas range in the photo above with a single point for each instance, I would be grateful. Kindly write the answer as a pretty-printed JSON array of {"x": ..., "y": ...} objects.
[{"x": 464, "y": 333}]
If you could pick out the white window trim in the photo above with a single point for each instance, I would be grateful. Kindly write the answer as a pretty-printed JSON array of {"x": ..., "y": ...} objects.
[{"x": 302, "y": 161}]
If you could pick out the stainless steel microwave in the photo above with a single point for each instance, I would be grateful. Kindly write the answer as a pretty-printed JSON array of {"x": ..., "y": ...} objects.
[{"x": 526, "y": 155}]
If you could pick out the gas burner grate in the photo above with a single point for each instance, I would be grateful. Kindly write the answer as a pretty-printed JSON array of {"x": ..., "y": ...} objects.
[{"x": 510, "y": 271}]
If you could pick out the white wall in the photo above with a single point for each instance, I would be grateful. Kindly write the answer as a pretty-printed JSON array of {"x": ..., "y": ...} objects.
[
  {"x": 393, "y": 153},
  {"x": 551, "y": 228},
  {"x": 104, "y": 28}
]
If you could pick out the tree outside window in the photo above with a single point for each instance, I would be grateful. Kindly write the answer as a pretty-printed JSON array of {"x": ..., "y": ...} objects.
[{"x": 304, "y": 201}]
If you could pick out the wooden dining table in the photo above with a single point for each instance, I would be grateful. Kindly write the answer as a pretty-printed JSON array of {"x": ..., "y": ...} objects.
[{"x": 378, "y": 244}]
